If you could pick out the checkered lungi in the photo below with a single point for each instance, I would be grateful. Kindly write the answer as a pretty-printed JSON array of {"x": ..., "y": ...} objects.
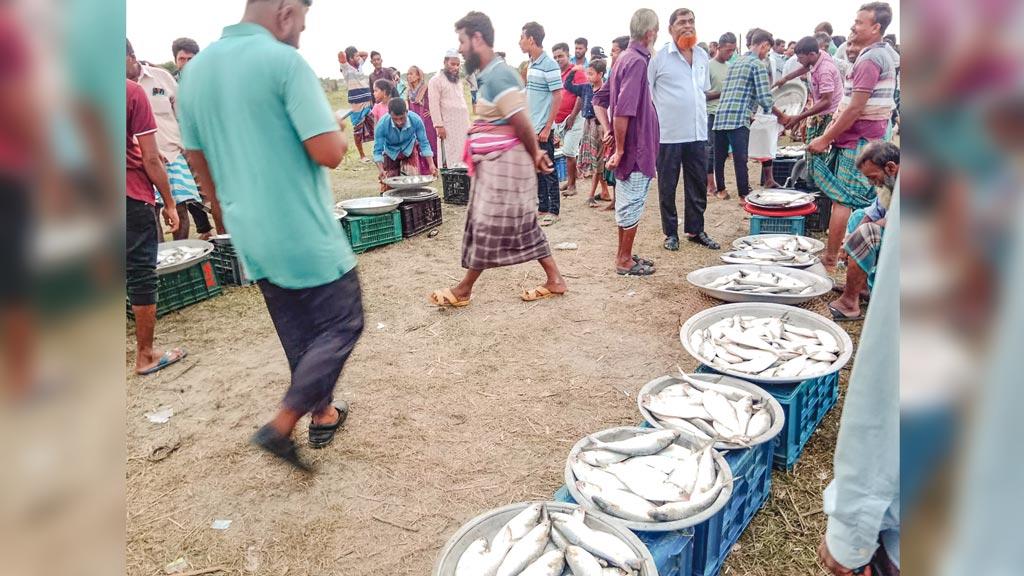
[
  {"x": 863, "y": 243},
  {"x": 501, "y": 219},
  {"x": 836, "y": 174},
  {"x": 630, "y": 198},
  {"x": 403, "y": 165},
  {"x": 816, "y": 126}
]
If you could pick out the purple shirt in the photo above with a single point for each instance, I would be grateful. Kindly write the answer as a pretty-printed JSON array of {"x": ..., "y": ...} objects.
[
  {"x": 825, "y": 78},
  {"x": 863, "y": 78},
  {"x": 631, "y": 98}
]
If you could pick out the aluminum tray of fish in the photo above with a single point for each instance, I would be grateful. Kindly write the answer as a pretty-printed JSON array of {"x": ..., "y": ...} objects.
[
  {"x": 180, "y": 254},
  {"x": 785, "y": 242},
  {"x": 733, "y": 413},
  {"x": 741, "y": 283},
  {"x": 780, "y": 198},
  {"x": 647, "y": 479},
  {"x": 766, "y": 343},
  {"x": 414, "y": 181},
  {"x": 770, "y": 256},
  {"x": 543, "y": 539},
  {"x": 794, "y": 151}
]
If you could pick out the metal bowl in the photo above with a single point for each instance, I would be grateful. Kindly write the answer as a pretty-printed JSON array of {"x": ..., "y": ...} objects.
[
  {"x": 800, "y": 198},
  {"x": 778, "y": 416},
  {"x": 402, "y": 182},
  {"x": 628, "y": 431},
  {"x": 487, "y": 525},
  {"x": 790, "y": 98},
  {"x": 796, "y": 316},
  {"x": 701, "y": 278},
  {"x": 411, "y": 194},
  {"x": 738, "y": 243},
  {"x": 369, "y": 206},
  {"x": 736, "y": 257},
  {"x": 203, "y": 245},
  {"x": 340, "y": 213}
]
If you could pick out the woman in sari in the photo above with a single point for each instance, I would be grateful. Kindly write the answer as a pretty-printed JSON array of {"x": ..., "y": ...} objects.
[{"x": 419, "y": 102}]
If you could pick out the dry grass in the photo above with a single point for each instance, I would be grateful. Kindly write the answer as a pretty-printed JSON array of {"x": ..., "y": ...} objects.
[{"x": 453, "y": 412}]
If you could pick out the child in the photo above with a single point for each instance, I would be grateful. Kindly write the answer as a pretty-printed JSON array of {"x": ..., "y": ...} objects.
[
  {"x": 591, "y": 159},
  {"x": 383, "y": 91}
]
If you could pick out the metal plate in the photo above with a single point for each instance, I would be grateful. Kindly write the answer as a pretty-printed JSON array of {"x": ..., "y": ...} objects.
[
  {"x": 800, "y": 198},
  {"x": 790, "y": 98},
  {"x": 401, "y": 182},
  {"x": 411, "y": 194},
  {"x": 369, "y": 206},
  {"x": 628, "y": 431},
  {"x": 739, "y": 242},
  {"x": 778, "y": 416},
  {"x": 340, "y": 213},
  {"x": 737, "y": 257},
  {"x": 203, "y": 245},
  {"x": 487, "y": 525},
  {"x": 795, "y": 316},
  {"x": 701, "y": 278}
]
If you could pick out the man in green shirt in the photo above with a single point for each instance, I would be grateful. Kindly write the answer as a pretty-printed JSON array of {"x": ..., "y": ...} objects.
[
  {"x": 718, "y": 69},
  {"x": 258, "y": 130}
]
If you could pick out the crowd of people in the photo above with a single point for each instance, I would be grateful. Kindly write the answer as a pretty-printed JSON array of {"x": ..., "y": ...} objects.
[{"x": 621, "y": 121}]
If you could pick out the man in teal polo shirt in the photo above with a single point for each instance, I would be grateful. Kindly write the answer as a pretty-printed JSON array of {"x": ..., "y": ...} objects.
[{"x": 258, "y": 130}]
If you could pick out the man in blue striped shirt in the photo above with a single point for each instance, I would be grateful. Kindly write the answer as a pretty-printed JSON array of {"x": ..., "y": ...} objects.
[{"x": 543, "y": 97}]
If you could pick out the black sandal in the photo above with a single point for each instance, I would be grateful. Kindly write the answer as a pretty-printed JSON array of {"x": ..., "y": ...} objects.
[
  {"x": 321, "y": 435},
  {"x": 270, "y": 440},
  {"x": 839, "y": 316},
  {"x": 638, "y": 269},
  {"x": 644, "y": 261}
]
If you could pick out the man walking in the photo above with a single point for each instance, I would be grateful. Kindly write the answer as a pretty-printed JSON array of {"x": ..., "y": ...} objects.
[
  {"x": 862, "y": 116},
  {"x": 144, "y": 170},
  {"x": 544, "y": 98},
  {"x": 718, "y": 69},
  {"x": 678, "y": 76},
  {"x": 635, "y": 130},
  {"x": 568, "y": 120},
  {"x": 448, "y": 110},
  {"x": 746, "y": 86},
  {"x": 290, "y": 243}
]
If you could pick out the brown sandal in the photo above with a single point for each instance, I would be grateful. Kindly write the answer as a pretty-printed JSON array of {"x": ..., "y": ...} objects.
[{"x": 445, "y": 299}]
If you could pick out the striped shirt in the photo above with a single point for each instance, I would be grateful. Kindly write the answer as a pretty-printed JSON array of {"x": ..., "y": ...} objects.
[
  {"x": 358, "y": 84},
  {"x": 543, "y": 79},
  {"x": 746, "y": 87},
  {"x": 874, "y": 72}
]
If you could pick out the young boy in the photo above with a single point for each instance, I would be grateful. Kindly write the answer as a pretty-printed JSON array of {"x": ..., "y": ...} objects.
[{"x": 591, "y": 159}]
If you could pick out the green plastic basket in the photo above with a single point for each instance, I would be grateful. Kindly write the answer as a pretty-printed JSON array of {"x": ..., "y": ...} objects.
[
  {"x": 183, "y": 288},
  {"x": 365, "y": 232}
]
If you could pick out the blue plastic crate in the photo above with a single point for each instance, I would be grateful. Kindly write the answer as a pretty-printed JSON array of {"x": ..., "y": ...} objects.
[
  {"x": 805, "y": 405},
  {"x": 752, "y": 483},
  {"x": 561, "y": 169},
  {"x": 672, "y": 551},
  {"x": 772, "y": 225}
]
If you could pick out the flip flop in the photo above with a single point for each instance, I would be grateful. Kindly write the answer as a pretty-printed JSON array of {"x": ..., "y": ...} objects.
[
  {"x": 592, "y": 202},
  {"x": 282, "y": 447},
  {"x": 839, "y": 316},
  {"x": 548, "y": 220},
  {"x": 321, "y": 435},
  {"x": 840, "y": 288},
  {"x": 538, "y": 293},
  {"x": 166, "y": 360},
  {"x": 445, "y": 299},
  {"x": 638, "y": 269}
]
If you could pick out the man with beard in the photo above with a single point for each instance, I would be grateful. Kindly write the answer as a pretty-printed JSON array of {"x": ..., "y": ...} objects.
[
  {"x": 276, "y": 195},
  {"x": 501, "y": 220},
  {"x": 678, "y": 76},
  {"x": 579, "y": 56},
  {"x": 568, "y": 121},
  {"x": 879, "y": 162},
  {"x": 863, "y": 115},
  {"x": 449, "y": 111}
]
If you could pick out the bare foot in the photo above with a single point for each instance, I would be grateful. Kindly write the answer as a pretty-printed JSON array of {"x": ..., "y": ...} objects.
[{"x": 556, "y": 287}]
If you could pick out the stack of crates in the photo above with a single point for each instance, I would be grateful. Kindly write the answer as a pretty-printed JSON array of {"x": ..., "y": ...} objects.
[
  {"x": 177, "y": 290},
  {"x": 418, "y": 217},
  {"x": 226, "y": 263},
  {"x": 782, "y": 168},
  {"x": 455, "y": 184},
  {"x": 365, "y": 232}
]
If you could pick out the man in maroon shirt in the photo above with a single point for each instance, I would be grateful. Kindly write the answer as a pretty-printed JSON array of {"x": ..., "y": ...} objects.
[
  {"x": 144, "y": 169},
  {"x": 636, "y": 135}
]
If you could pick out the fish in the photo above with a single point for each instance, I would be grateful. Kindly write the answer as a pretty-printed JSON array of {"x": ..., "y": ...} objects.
[
  {"x": 759, "y": 423},
  {"x": 549, "y": 564},
  {"x": 675, "y": 407},
  {"x": 526, "y": 550},
  {"x": 640, "y": 444},
  {"x": 624, "y": 504},
  {"x": 721, "y": 410},
  {"x": 673, "y": 511},
  {"x": 644, "y": 481},
  {"x": 685, "y": 475},
  {"x": 600, "y": 544},
  {"x": 516, "y": 528},
  {"x": 473, "y": 560},
  {"x": 595, "y": 475},
  {"x": 706, "y": 470},
  {"x": 582, "y": 563},
  {"x": 601, "y": 457}
]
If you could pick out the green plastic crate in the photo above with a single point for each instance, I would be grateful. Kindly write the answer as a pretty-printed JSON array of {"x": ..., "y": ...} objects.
[
  {"x": 183, "y": 288},
  {"x": 365, "y": 232}
]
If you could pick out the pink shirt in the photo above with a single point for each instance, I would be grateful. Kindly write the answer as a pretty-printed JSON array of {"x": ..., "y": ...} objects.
[
  {"x": 379, "y": 110},
  {"x": 826, "y": 79},
  {"x": 864, "y": 76}
]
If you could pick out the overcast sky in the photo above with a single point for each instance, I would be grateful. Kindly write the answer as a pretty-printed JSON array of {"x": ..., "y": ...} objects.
[{"x": 408, "y": 33}]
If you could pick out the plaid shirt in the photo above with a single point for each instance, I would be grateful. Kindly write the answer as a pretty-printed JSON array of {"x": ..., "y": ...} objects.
[{"x": 746, "y": 87}]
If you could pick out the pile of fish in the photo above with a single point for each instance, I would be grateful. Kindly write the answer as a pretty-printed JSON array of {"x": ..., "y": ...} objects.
[
  {"x": 538, "y": 543},
  {"x": 756, "y": 282},
  {"x": 786, "y": 243},
  {"x": 176, "y": 255},
  {"x": 709, "y": 411},
  {"x": 770, "y": 256},
  {"x": 648, "y": 477},
  {"x": 780, "y": 198},
  {"x": 792, "y": 151},
  {"x": 767, "y": 347}
]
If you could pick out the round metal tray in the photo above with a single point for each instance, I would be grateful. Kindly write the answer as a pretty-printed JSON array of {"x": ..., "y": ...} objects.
[
  {"x": 411, "y": 194},
  {"x": 752, "y": 199},
  {"x": 790, "y": 98},
  {"x": 778, "y": 416},
  {"x": 626, "y": 432},
  {"x": 732, "y": 257},
  {"x": 402, "y": 182},
  {"x": 487, "y": 525},
  {"x": 795, "y": 316},
  {"x": 738, "y": 243},
  {"x": 369, "y": 206},
  {"x": 203, "y": 245},
  {"x": 701, "y": 278},
  {"x": 340, "y": 213}
]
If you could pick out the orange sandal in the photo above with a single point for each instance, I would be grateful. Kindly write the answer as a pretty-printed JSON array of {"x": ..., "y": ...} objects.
[{"x": 445, "y": 299}]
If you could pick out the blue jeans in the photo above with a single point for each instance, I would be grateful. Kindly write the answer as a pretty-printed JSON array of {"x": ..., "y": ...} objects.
[
  {"x": 739, "y": 139},
  {"x": 548, "y": 198}
]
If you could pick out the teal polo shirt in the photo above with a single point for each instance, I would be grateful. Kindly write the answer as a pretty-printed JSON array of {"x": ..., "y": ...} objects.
[{"x": 248, "y": 102}]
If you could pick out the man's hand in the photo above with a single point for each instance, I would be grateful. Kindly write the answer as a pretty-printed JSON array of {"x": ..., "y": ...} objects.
[
  {"x": 785, "y": 120},
  {"x": 570, "y": 122},
  {"x": 607, "y": 139},
  {"x": 543, "y": 163},
  {"x": 545, "y": 134},
  {"x": 818, "y": 146},
  {"x": 171, "y": 218},
  {"x": 441, "y": 132},
  {"x": 433, "y": 167},
  {"x": 833, "y": 565},
  {"x": 613, "y": 162}
]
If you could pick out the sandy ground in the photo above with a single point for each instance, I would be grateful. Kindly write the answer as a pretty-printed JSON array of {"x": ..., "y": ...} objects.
[{"x": 452, "y": 412}]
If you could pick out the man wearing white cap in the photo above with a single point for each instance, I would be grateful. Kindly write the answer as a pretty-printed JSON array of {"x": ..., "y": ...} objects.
[{"x": 449, "y": 111}]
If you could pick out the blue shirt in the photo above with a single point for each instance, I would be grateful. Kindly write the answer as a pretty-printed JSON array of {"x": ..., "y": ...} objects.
[
  {"x": 543, "y": 79},
  {"x": 678, "y": 90},
  {"x": 585, "y": 91},
  {"x": 573, "y": 61},
  {"x": 248, "y": 102},
  {"x": 395, "y": 142}
]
